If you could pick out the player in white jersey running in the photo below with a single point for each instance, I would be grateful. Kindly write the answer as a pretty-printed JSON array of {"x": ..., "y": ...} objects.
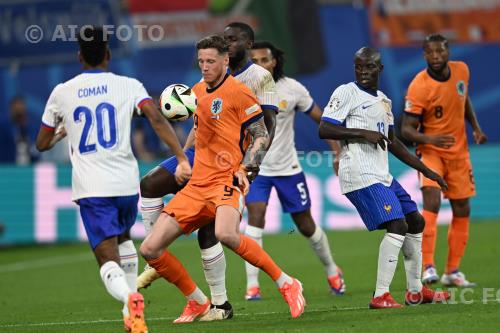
[
  {"x": 94, "y": 109},
  {"x": 281, "y": 169},
  {"x": 160, "y": 182},
  {"x": 360, "y": 116}
]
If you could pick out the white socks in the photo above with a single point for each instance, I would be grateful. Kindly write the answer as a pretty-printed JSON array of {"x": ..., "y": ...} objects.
[
  {"x": 412, "y": 251},
  {"x": 387, "y": 261},
  {"x": 198, "y": 296},
  {"x": 252, "y": 271},
  {"x": 319, "y": 243},
  {"x": 282, "y": 279},
  {"x": 150, "y": 209},
  {"x": 115, "y": 282},
  {"x": 128, "y": 262},
  {"x": 214, "y": 267}
]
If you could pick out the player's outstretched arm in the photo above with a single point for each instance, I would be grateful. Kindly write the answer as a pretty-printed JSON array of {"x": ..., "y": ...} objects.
[
  {"x": 470, "y": 115},
  {"x": 409, "y": 131},
  {"x": 398, "y": 149},
  {"x": 165, "y": 131},
  {"x": 331, "y": 131}
]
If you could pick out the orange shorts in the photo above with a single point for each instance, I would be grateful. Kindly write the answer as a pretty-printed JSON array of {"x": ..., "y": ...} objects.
[
  {"x": 194, "y": 206},
  {"x": 457, "y": 173}
]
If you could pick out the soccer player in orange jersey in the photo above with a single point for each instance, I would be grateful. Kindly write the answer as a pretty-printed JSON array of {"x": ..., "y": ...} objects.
[
  {"x": 227, "y": 111},
  {"x": 437, "y": 105}
]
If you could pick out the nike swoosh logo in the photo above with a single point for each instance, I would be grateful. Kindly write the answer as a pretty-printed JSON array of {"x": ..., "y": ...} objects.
[
  {"x": 225, "y": 198},
  {"x": 365, "y": 106},
  {"x": 392, "y": 260}
]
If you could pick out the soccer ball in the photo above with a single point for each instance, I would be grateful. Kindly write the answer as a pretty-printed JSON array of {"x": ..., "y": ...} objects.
[{"x": 177, "y": 102}]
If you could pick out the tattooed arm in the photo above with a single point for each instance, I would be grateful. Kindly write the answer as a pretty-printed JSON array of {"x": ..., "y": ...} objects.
[{"x": 254, "y": 154}]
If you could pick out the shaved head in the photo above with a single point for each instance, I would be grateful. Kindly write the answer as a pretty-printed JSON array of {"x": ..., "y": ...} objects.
[{"x": 367, "y": 52}]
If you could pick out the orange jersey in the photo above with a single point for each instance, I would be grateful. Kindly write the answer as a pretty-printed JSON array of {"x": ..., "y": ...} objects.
[
  {"x": 220, "y": 120},
  {"x": 441, "y": 107}
]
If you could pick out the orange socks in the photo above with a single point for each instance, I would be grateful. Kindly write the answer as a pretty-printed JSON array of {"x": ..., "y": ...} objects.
[
  {"x": 429, "y": 238},
  {"x": 458, "y": 234},
  {"x": 254, "y": 254},
  {"x": 170, "y": 268}
]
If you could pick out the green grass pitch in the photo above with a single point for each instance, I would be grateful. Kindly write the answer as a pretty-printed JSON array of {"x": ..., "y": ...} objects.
[{"x": 58, "y": 289}]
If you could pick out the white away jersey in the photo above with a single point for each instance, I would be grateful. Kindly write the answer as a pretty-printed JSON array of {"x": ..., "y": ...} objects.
[
  {"x": 260, "y": 82},
  {"x": 361, "y": 163},
  {"x": 96, "y": 108},
  {"x": 281, "y": 159}
]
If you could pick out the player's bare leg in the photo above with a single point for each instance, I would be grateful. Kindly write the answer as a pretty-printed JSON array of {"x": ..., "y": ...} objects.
[
  {"x": 227, "y": 220},
  {"x": 154, "y": 186},
  {"x": 116, "y": 283},
  {"x": 458, "y": 235},
  {"x": 165, "y": 231},
  {"x": 432, "y": 203},
  {"x": 254, "y": 230},
  {"x": 319, "y": 243}
]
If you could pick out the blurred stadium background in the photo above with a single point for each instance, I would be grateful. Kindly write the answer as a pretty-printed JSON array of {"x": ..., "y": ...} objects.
[
  {"x": 55, "y": 288},
  {"x": 319, "y": 38}
]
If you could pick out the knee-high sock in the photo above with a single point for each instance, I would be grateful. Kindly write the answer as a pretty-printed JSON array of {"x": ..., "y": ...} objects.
[
  {"x": 387, "y": 261},
  {"x": 252, "y": 271},
  {"x": 150, "y": 209},
  {"x": 254, "y": 254},
  {"x": 429, "y": 237},
  {"x": 412, "y": 252},
  {"x": 129, "y": 262},
  {"x": 458, "y": 235},
  {"x": 319, "y": 243},
  {"x": 171, "y": 269},
  {"x": 214, "y": 267},
  {"x": 115, "y": 282}
]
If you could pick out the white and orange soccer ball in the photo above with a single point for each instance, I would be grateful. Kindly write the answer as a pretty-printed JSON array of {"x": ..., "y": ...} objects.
[{"x": 178, "y": 102}]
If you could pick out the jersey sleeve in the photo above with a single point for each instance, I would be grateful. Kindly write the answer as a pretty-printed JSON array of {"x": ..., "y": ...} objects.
[
  {"x": 249, "y": 108},
  {"x": 52, "y": 110},
  {"x": 416, "y": 98},
  {"x": 139, "y": 94},
  {"x": 305, "y": 103},
  {"x": 266, "y": 93},
  {"x": 339, "y": 106}
]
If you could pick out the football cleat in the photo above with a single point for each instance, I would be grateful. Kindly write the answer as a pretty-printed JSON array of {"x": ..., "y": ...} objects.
[
  {"x": 148, "y": 276},
  {"x": 253, "y": 294},
  {"x": 426, "y": 296},
  {"x": 384, "y": 301},
  {"x": 430, "y": 276},
  {"x": 456, "y": 279},
  {"x": 136, "y": 314},
  {"x": 192, "y": 311},
  {"x": 336, "y": 283},
  {"x": 218, "y": 312},
  {"x": 292, "y": 293}
]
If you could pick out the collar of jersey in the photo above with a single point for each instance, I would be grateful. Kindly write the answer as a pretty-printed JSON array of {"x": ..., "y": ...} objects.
[
  {"x": 368, "y": 91},
  {"x": 248, "y": 64},
  {"x": 211, "y": 90},
  {"x": 93, "y": 71},
  {"x": 438, "y": 79}
]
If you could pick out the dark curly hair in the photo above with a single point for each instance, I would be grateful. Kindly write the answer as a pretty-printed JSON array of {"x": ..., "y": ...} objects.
[{"x": 278, "y": 54}]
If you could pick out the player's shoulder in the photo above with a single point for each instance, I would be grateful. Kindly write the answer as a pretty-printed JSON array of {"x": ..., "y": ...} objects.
[
  {"x": 347, "y": 89},
  {"x": 260, "y": 74},
  {"x": 232, "y": 84},
  {"x": 291, "y": 83},
  {"x": 460, "y": 67}
]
